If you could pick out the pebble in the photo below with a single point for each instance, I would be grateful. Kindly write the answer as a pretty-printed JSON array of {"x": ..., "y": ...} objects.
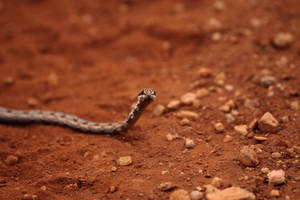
[
  {"x": 185, "y": 122},
  {"x": 205, "y": 72},
  {"x": 283, "y": 40},
  {"x": 180, "y": 194},
  {"x": 220, "y": 78},
  {"x": 8, "y": 81},
  {"x": 274, "y": 193},
  {"x": 253, "y": 124},
  {"x": 187, "y": 114},
  {"x": 210, "y": 188},
  {"x": 267, "y": 123},
  {"x": 216, "y": 36},
  {"x": 171, "y": 137},
  {"x": 11, "y": 160},
  {"x": 248, "y": 157},
  {"x": 196, "y": 195},
  {"x": 30, "y": 197},
  {"x": 32, "y": 102},
  {"x": 294, "y": 105},
  {"x": 43, "y": 188},
  {"x": 225, "y": 108},
  {"x": 166, "y": 186},
  {"x": 52, "y": 79},
  {"x": 227, "y": 138},
  {"x": 232, "y": 193},
  {"x": 113, "y": 169},
  {"x": 203, "y": 92},
  {"x": 276, "y": 155},
  {"x": 255, "y": 22},
  {"x": 267, "y": 81},
  {"x": 251, "y": 103},
  {"x": 265, "y": 170},
  {"x": 159, "y": 110},
  {"x": 217, "y": 182},
  {"x": 229, "y": 88},
  {"x": 174, "y": 104},
  {"x": 219, "y": 5},
  {"x": 188, "y": 98},
  {"x": 214, "y": 25},
  {"x": 189, "y": 143},
  {"x": 285, "y": 119},
  {"x": 276, "y": 177},
  {"x": 241, "y": 129},
  {"x": 219, "y": 127},
  {"x": 124, "y": 161},
  {"x": 229, "y": 118},
  {"x": 260, "y": 138}
]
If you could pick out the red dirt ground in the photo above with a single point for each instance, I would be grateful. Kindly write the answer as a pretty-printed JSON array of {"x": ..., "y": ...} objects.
[{"x": 103, "y": 53}]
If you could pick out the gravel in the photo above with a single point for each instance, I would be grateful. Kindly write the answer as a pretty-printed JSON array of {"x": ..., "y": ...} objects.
[
  {"x": 219, "y": 127},
  {"x": 283, "y": 40},
  {"x": 180, "y": 195},
  {"x": 174, "y": 104},
  {"x": 124, "y": 161},
  {"x": 267, "y": 123},
  {"x": 189, "y": 143},
  {"x": 248, "y": 157},
  {"x": 159, "y": 110},
  {"x": 276, "y": 177},
  {"x": 196, "y": 195}
]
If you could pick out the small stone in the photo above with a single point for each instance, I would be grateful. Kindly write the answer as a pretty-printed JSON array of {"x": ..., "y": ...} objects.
[
  {"x": 11, "y": 160},
  {"x": 210, "y": 188},
  {"x": 229, "y": 88},
  {"x": 112, "y": 189},
  {"x": 283, "y": 40},
  {"x": 187, "y": 114},
  {"x": 43, "y": 188},
  {"x": 248, "y": 157},
  {"x": 285, "y": 119},
  {"x": 241, "y": 129},
  {"x": 267, "y": 123},
  {"x": 227, "y": 138},
  {"x": 219, "y": 127},
  {"x": 124, "y": 161},
  {"x": 52, "y": 79},
  {"x": 276, "y": 177},
  {"x": 276, "y": 155},
  {"x": 164, "y": 172},
  {"x": 229, "y": 118},
  {"x": 174, "y": 104},
  {"x": 189, "y": 143},
  {"x": 255, "y": 22},
  {"x": 188, "y": 98},
  {"x": 196, "y": 195},
  {"x": 180, "y": 195},
  {"x": 214, "y": 25},
  {"x": 185, "y": 122},
  {"x": 159, "y": 110},
  {"x": 219, "y": 5},
  {"x": 232, "y": 193},
  {"x": 217, "y": 182},
  {"x": 265, "y": 170},
  {"x": 225, "y": 108},
  {"x": 32, "y": 102},
  {"x": 205, "y": 72},
  {"x": 30, "y": 197},
  {"x": 251, "y": 103},
  {"x": 96, "y": 157},
  {"x": 220, "y": 78},
  {"x": 267, "y": 81},
  {"x": 253, "y": 124},
  {"x": 260, "y": 138},
  {"x": 166, "y": 186},
  {"x": 216, "y": 36},
  {"x": 274, "y": 193},
  {"x": 203, "y": 92},
  {"x": 171, "y": 137},
  {"x": 113, "y": 169},
  {"x": 295, "y": 105},
  {"x": 8, "y": 80}
]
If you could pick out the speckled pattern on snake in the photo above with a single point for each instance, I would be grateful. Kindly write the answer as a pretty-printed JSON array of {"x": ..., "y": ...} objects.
[{"x": 145, "y": 97}]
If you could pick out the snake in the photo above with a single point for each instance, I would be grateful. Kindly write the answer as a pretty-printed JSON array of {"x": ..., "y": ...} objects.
[{"x": 144, "y": 98}]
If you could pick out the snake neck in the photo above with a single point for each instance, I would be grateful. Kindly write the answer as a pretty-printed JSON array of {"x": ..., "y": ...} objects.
[{"x": 136, "y": 112}]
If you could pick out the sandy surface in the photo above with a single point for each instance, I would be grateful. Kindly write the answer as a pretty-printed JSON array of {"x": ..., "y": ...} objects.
[{"x": 91, "y": 58}]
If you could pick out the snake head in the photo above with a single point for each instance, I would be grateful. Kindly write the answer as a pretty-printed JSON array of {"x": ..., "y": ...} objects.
[{"x": 147, "y": 94}]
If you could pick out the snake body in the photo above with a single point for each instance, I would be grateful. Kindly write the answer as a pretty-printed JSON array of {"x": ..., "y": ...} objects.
[{"x": 145, "y": 97}]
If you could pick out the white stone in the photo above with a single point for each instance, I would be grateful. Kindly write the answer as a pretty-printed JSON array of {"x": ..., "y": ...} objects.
[
  {"x": 159, "y": 110},
  {"x": 196, "y": 195},
  {"x": 189, "y": 143},
  {"x": 187, "y": 114},
  {"x": 174, "y": 104},
  {"x": 180, "y": 194},
  {"x": 276, "y": 177},
  {"x": 188, "y": 98},
  {"x": 282, "y": 40},
  {"x": 232, "y": 193},
  {"x": 241, "y": 129}
]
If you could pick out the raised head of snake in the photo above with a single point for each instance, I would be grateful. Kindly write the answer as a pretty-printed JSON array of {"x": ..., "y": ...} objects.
[{"x": 145, "y": 97}]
